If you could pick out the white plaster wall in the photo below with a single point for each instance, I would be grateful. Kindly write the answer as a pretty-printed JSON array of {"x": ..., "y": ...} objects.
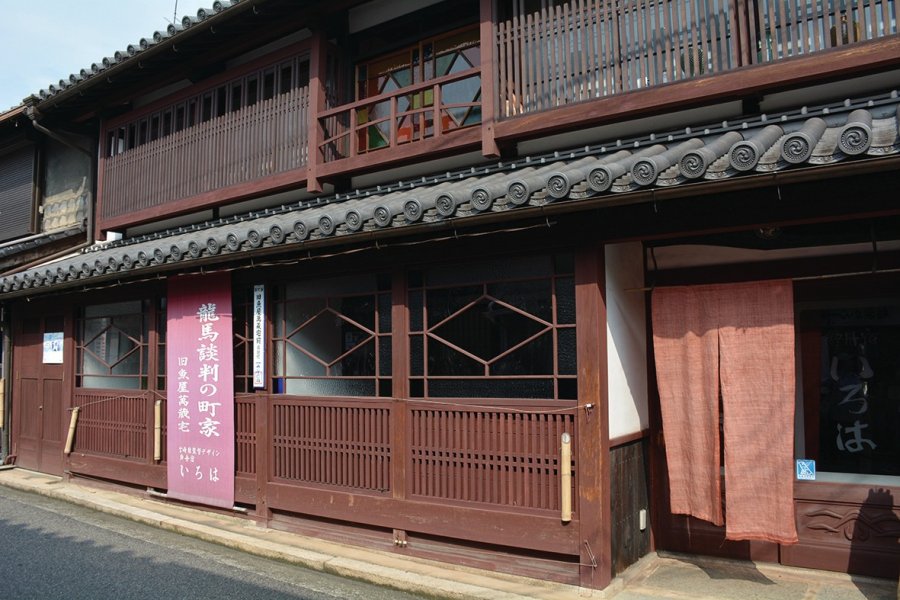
[{"x": 626, "y": 333}]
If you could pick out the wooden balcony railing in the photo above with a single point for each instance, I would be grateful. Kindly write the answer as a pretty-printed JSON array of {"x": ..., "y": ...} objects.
[
  {"x": 410, "y": 114},
  {"x": 783, "y": 28},
  {"x": 256, "y": 141},
  {"x": 588, "y": 49}
]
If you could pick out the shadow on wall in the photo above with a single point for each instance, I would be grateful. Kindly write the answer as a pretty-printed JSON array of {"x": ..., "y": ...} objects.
[{"x": 875, "y": 543}]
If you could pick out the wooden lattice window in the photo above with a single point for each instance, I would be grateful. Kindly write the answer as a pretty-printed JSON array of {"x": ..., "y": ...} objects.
[
  {"x": 495, "y": 329},
  {"x": 242, "y": 307},
  {"x": 112, "y": 346},
  {"x": 332, "y": 337}
]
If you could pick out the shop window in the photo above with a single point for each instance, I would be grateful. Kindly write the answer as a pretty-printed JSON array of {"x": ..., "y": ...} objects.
[
  {"x": 332, "y": 337},
  {"x": 498, "y": 329},
  {"x": 851, "y": 387},
  {"x": 112, "y": 346}
]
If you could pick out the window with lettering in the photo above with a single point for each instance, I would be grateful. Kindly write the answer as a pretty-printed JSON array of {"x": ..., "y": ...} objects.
[
  {"x": 112, "y": 346},
  {"x": 332, "y": 337},
  {"x": 851, "y": 385}
]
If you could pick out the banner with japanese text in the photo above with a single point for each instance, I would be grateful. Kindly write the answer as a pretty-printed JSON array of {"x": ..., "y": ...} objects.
[{"x": 200, "y": 390}]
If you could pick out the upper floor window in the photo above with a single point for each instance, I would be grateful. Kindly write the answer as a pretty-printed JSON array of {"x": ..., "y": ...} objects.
[{"x": 450, "y": 105}]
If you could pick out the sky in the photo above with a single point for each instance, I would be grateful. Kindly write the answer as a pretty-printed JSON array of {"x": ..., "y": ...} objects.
[{"x": 43, "y": 41}]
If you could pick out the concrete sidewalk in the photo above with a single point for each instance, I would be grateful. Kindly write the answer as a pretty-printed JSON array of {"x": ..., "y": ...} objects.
[{"x": 655, "y": 576}]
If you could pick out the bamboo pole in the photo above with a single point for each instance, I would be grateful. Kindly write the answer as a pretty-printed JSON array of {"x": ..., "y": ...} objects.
[
  {"x": 72, "y": 422},
  {"x": 565, "y": 477},
  {"x": 157, "y": 431}
]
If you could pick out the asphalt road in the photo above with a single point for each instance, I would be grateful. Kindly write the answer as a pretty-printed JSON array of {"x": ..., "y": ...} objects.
[{"x": 51, "y": 549}]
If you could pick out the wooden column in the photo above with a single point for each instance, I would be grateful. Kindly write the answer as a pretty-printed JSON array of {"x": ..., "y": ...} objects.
[
  {"x": 488, "y": 78},
  {"x": 592, "y": 433},
  {"x": 318, "y": 72},
  {"x": 399, "y": 384}
]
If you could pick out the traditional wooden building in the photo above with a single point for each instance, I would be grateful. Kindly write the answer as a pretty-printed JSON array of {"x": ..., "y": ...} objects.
[{"x": 537, "y": 286}]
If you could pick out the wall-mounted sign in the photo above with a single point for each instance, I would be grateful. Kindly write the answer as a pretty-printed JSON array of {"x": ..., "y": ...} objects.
[
  {"x": 259, "y": 336},
  {"x": 53, "y": 348},
  {"x": 200, "y": 390}
]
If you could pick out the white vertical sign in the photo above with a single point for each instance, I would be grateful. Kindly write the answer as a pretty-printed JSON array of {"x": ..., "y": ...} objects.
[{"x": 259, "y": 336}]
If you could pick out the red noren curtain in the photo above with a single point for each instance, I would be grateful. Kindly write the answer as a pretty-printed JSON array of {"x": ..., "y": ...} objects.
[{"x": 737, "y": 340}]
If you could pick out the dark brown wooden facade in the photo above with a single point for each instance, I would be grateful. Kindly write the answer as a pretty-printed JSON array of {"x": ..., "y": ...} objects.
[{"x": 439, "y": 442}]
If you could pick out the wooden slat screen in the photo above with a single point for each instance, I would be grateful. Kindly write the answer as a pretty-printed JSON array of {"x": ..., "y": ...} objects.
[
  {"x": 113, "y": 423},
  {"x": 344, "y": 445},
  {"x": 254, "y": 142},
  {"x": 587, "y": 49},
  {"x": 784, "y": 28},
  {"x": 245, "y": 435},
  {"x": 492, "y": 457}
]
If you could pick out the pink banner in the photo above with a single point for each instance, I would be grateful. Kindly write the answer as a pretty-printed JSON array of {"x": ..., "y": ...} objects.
[{"x": 200, "y": 390}]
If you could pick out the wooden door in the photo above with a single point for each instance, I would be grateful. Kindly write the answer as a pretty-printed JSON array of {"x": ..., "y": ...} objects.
[{"x": 39, "y": 418}]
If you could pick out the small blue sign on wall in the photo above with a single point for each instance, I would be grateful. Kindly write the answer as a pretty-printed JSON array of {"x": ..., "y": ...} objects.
[{"x": 806, "y": 469}]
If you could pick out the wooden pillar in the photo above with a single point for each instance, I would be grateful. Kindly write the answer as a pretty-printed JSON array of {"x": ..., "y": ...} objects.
[
  {"x": 263, "y": 445},
  {"x": 318, "y": 72},
  {"x": 488, "y": 79},
  {"x": 399, "y": 385},
  {"x": 592, "y": 433}
]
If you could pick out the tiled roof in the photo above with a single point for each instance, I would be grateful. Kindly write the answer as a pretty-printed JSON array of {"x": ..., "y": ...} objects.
[
  {"x": 765, "y": 144},
  {"x": 134, "y": 51}
]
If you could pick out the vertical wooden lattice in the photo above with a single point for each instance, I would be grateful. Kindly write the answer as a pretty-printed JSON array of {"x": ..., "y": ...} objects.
[
  {"x": 492, "y": 457},
  {"x": 347, "y": 446}
]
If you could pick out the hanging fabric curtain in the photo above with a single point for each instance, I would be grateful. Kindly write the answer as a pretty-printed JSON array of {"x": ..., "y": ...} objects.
[{"x": 737, "y": 340}]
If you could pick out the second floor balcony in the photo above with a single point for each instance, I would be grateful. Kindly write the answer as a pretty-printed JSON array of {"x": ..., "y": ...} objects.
[{"x": 312, "y": 113}]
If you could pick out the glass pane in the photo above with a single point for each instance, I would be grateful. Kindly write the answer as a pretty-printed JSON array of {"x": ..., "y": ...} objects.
[
  {"x": 359, "y": 363},
  {"x": 360, "y": 309},
  {"x": 298, "y": 312},
  {"x": 565, "y": 300},
  {"x": 384, "y": 313},
  {"x": 240, "y": 360},
  {"x": 445, "y": 302},
  {"x": 488, "y": 329},
  {"x": 568, "y": 389},
  {"x": 459, "y": 92},
  {"x": 278, "y": 358},
  {"x": 328, "y": 336},
  {"x": 534, "y": 358},
  {"x": 118, "y": 308},
  {"x": 491, "y": 388},
  {"x": 299, "y": 364},
  {"x": 415, "y": 310},
  {"x": 531, "y": 296},
  {"x": 111, "y": 383},
  {"x": 566, "y": 351},
  {"x": 416, "y": 355},
  {"x": 130, "y": 365},
  {"x": 384, "y": 355},
  {"x": 443, "y": 360},
  {"x": 859, "y": 410},
  {"x": 330, "y": 387}
]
